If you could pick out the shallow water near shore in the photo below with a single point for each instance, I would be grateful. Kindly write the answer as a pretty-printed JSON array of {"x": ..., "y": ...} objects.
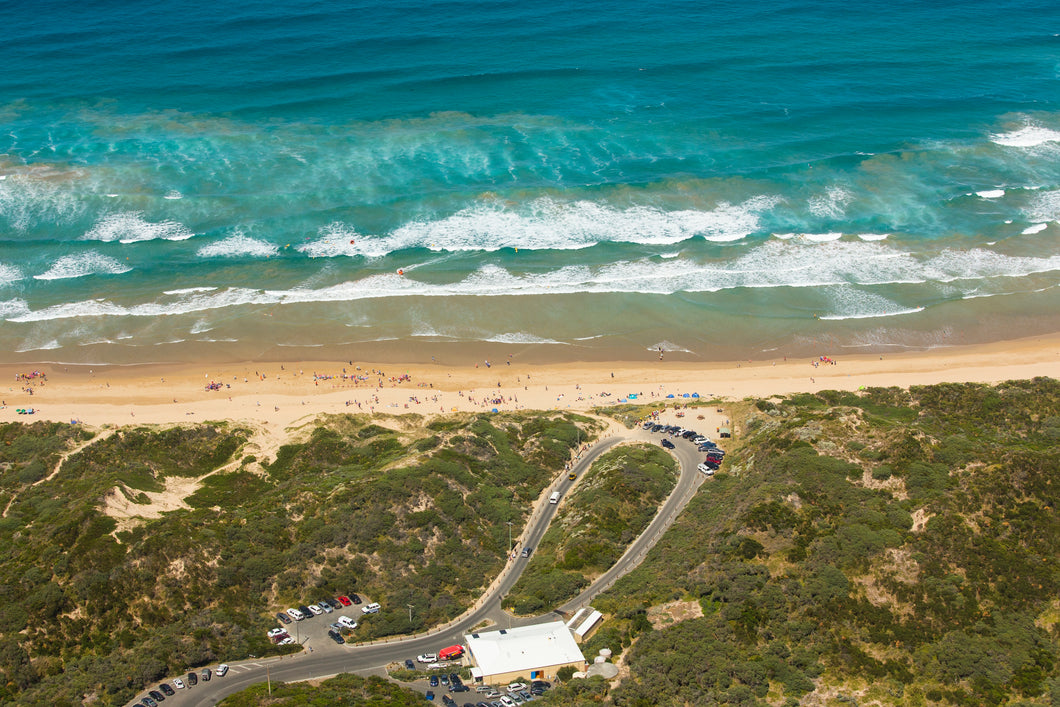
[{"x": 716, "y": 181}]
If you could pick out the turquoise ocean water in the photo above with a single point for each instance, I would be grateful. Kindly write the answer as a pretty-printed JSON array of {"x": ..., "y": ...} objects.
[{"x": 562, "y": 180}]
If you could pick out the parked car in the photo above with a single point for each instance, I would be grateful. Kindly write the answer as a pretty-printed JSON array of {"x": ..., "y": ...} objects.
[
  {"x": 334, "y": 603},
  {"x": 206, "y": 675},
  {"x": 433, "y": 681},
  {"x": 448, "y": 701},
  {"x": 354, "y": 598},
  {"x": 315, "y": 610},
  {"x": 158, "y": 696},
  {"x": 295, "y": 614},
  {"x": 706, "y": 469},
  {"x": 427, "y": 658},
  {"x": 274, "y": 632},
  {"x": 372, "y": 608},
  {"x": 667, "y": 444},
  {"x": 193, "y": 679},
  {"x": 345, "y": 600},
  {"x": 336, "y": 636},
  {"x": 222, "y": 669},
  {"x": 347, "y": 622},
  {"x": 444, "y": 679},
  {"x": 325, "y": 607},
  {"x": 283, "y": 618},
  {"x": 306, "y": 611},
  {"x": 166, "y": 689},
  {"x": 149, "y": 702},
  {"x": 179, "y": 683},
  {"x": 409, "y": 665},
  {"x": 516, "y": 687},
  {"x": 430, "y": 695}
]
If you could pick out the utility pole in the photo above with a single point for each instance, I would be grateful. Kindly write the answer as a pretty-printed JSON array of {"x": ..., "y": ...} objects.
[
  {"x": 268, "y": 676},
  {"x": 410, "y": 612},
  {"x": 509, "y": 537}
]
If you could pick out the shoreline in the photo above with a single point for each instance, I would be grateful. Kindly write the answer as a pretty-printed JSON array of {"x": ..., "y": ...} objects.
[{"x": 283, "y": 393}]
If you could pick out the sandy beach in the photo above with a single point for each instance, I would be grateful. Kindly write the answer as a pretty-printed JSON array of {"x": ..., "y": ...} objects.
[{"x": 281, "y": 394}]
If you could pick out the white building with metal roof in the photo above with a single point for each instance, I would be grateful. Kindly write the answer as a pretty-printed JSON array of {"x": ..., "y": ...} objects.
[{"x": 535, "y": 652}]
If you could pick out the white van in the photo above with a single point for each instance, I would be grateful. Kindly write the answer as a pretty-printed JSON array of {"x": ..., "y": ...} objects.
[
  {"x": 295, "y": 614},
  {"x": 554, "y": 498},
  {"x": 372, "y": 608}
]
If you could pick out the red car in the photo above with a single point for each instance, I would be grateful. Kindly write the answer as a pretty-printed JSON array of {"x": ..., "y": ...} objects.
[{"x": 345, "y": 600}]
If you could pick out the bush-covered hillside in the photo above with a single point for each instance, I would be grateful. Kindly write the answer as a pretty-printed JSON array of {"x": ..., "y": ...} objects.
[
  {"x": 610, "y": 507},
  {"x": 340, "y": 691},
  {"x": 401, "y": 510},
  {"x": 885, "y": 548}
]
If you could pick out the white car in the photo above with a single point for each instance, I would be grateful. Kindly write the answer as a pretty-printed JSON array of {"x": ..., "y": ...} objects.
[
  {"x": 347, "y": 622},
  {"x": 287, "y": 641},
  {"x": 507, "y": 701},
  {"x": 372, "y": 608},
  {"x": 706, "y": 469},
  {"x": 295, "y": 614},
  {"x": 317, "y": 611},
  {"x": 516, "y": 687},
  {"x": 427, "y": 658},
  {"x": 179, "y": 683},
  {"x": 273, "y": 632},
  {"x": 222, "y": 669}
]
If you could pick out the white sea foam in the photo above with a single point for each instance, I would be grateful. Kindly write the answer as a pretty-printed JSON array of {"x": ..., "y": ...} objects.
[
  {"x": 821, "y": 237},
  {"x": 873, "y": 236},
  {"x": 173, "y": 194},
  {"x": 773, "y": 263},
  {"x": 82, "y": 264},
  {"x": 131, "y": 227},
  {"x": 1045, "y": 206},
  {"x": 668, "y": 347},
  {"x": 1027, "y": 136},
  {"x": 991, "y": 193},
  {"x": 832, "y": 204},
  {"x": 189, "y": 290},
  {"x": 519, "y": 337},
  {"x": 47, "y": 345},
  {"x": 238, "y": 245},
  {"x": 336, "y": 240},
  {"x": 200, "y": 327},
  {"x": 1036, "y": 228},
  {"x": 9, "y": 274},
  {"x": 13, "y": 308}
]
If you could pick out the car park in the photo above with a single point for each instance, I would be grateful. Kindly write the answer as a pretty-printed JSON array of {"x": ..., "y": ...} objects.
[
  {"x": 667, "y": 444},
  {"x": 206, "y": 675},
  {"x": 372, "y": 608},
  {"x": 427, "y": 658},
  {"x": 345, "y": 600},
  {"x": 179, "y": 683},
  {"x": 222, "y": 669},
  {"x": 166, "y": 689},
  {"x": 295, "y": 614},
  {"x": 193, "y": 679}
]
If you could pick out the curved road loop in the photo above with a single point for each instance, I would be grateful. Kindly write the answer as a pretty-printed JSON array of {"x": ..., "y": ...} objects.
[{"x": 323, "y": 658}]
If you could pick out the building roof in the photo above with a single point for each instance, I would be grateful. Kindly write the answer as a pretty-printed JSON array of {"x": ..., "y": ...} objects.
[
  {"x": 588, "y": 624},
  {"x": 523, "y": 648}
]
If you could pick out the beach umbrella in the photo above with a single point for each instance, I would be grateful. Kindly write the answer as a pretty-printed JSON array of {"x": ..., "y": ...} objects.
[
  {"x": 670, "y": 395},
  {"x": 695, "y": 395},
  {"x": 495, "y": 410},
  {"x": 685, "y": 395}
]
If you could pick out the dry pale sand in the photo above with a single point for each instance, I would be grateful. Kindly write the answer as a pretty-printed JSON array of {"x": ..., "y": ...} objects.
[{"x": 282, "y": 394}]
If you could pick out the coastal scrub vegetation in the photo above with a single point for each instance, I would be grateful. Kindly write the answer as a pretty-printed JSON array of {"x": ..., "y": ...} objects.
[
  {"x": 346, "y": 689},
  {"x": 885, "y": 547},
  {"x": 612, "y": 504},
  {"x": 210, "y": 542}
]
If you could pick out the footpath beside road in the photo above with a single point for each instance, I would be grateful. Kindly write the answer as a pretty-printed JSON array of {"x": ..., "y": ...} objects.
[{"x": 369, "y": 658}]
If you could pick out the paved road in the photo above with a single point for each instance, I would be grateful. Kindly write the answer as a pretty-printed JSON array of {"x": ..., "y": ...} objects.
[{"x": 327, "y": 659}]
